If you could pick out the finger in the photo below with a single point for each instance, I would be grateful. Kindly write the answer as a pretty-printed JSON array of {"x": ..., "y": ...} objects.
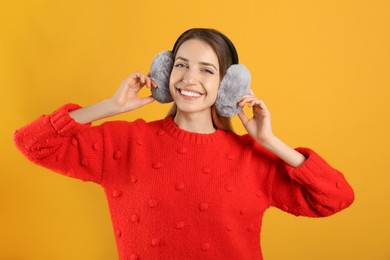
[
  {"x": 135, "y": 75},
  {"x": 135, "y": 78},
  {"x": 148, "y": 82},
  {"x": 151, "y": 83},
  {"x": 247, "y": 100},
  {"x": 147, "y": 100},
  {"x": 143, "y": 101},
  {"x": 142, "y": 79},
  {"x": 154, "y": 84},
  {"x": 244, "y": 119},
  {"x": 254, "y": 102},
  {"x": 261, "y": 109},
  {"x": 263, "y": 105},
  {"x": 246, "y": 97},
  {"x": 259, "y": 106}
]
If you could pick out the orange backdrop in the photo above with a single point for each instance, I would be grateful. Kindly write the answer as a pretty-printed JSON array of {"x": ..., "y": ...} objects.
[{"x": 321, "y": 66}]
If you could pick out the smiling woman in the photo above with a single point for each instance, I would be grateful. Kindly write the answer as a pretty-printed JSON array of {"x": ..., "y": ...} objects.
[
  {"x": 184, "y": 187},
  {"x": 235, "y": 84},
  {"x": 194, "y": 85}
]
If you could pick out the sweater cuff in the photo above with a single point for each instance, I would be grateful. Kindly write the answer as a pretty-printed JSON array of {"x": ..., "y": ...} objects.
[
  {"x": 64, "y": 124},
  {"x": 309, "y": 171}
]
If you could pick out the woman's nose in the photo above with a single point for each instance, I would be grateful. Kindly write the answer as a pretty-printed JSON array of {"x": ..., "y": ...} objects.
[{"x": 189, "y": 77}]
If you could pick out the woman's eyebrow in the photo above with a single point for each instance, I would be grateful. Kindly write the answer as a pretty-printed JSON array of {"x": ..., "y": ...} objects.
[
  {"x": 181, "y": 58},
  {"x": 202, "y": 62}
]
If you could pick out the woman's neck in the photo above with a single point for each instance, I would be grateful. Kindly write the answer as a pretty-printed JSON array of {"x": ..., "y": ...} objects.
[{"x": 195, "y": 122}]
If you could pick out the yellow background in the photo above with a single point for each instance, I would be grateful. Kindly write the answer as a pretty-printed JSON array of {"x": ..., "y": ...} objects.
[{"x": 321, "y": 66}]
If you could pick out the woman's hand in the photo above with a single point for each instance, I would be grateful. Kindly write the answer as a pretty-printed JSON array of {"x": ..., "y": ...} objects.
[
  {"x": 126, "y": 97},
  {"x": 259, "y": 126}
]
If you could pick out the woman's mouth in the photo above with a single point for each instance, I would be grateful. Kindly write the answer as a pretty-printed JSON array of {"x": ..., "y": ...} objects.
[{"x": 189, "y": 93}]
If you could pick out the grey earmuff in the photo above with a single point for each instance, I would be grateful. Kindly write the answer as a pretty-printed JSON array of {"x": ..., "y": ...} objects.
[
  {"x": 160, "y": 72},
  {"x": 234, "y": 85}
]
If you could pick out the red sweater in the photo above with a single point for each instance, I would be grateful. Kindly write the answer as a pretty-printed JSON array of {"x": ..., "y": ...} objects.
[{"x": 173, "y": 194}]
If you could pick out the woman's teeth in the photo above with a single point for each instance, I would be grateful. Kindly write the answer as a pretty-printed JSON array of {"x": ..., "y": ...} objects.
[{"x": 189, "y": 93}]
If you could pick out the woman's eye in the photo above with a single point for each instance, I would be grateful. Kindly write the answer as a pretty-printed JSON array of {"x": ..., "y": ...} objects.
[
  {"x": 209, "y": 71},
  {"x": 179, "y": 65}
]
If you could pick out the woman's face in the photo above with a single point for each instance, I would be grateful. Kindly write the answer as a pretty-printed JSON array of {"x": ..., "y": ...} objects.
[{"x": 195, "y": 77}]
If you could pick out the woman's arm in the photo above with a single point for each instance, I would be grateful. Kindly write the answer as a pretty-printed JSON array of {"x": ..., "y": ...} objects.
[
  {"x": 305, "y": 184},
  {"x": 124, "y": 100},
  {"x": 259, "y": 127},
  {"x": 65, "y": 142},
  {"x": 314, "y": 189}
]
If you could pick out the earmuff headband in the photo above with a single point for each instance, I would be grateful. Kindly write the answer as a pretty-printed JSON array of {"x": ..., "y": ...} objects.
[{"x": 230, "y": 44}]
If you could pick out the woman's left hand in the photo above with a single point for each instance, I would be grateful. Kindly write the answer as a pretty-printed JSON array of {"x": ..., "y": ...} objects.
[{"x": 259, "y": 126}]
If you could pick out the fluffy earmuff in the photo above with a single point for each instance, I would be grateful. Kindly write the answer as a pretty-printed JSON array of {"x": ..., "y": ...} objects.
[
  {"x": 160, "y": 72},
  {"x": 234, "y": 85}
]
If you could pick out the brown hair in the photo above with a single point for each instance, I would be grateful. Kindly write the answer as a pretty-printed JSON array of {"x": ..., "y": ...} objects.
[{"x": 219, "y": 43}]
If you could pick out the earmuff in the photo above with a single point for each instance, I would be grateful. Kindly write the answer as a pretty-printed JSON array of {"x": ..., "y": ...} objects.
[{"x": 234, "y": 85}]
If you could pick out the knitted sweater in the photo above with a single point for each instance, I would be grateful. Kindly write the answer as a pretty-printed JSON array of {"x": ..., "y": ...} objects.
[{"x": 174, "y": 194}]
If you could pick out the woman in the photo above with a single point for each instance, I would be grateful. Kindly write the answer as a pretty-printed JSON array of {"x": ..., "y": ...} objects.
[{"x": 186, "y": 187}]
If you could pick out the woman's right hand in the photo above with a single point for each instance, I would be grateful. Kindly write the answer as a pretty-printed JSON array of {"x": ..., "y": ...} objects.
[{"x": 126, "y": 97}]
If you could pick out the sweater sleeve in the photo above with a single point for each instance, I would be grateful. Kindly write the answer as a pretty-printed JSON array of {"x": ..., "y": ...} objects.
[
  {"x": 59, "y": 143},
  {"x": 314, "y": 189}
]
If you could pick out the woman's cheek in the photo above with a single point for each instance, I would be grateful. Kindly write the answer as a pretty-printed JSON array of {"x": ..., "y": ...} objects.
[{"x": 172, "y": 84}]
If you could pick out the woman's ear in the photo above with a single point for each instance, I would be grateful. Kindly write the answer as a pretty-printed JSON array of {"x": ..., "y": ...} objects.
[
  {"x": 234, "y": 85},
  {"x": 160, "y": 72}
]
